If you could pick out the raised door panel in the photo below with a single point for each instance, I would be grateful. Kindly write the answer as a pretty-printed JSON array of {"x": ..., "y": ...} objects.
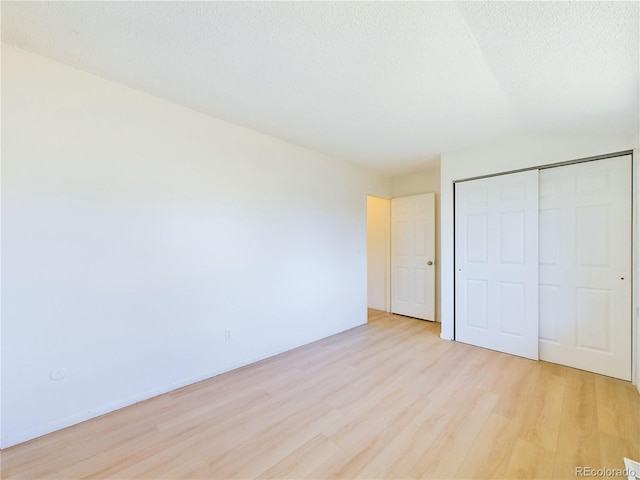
[
  {"x": 496, "y": 249},
  {"x": 585, "y": 266},
  {"x": 412, "y": 248}
]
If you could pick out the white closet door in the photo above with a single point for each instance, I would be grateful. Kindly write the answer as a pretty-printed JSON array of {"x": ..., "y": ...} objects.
[
  {"x": 413, "y": 256},
  {"x": 496, "y": 258},
  {"x": 585, "y": 266}
]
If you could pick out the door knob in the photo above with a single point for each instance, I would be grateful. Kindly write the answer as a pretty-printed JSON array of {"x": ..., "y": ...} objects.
[{"x": 429, "y": 262}]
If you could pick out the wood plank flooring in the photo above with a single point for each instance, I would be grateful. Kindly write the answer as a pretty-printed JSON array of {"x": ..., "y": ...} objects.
[{"x": 389, "y": 399}]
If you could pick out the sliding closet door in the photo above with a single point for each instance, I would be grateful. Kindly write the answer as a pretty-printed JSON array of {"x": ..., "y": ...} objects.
[
  {"x": 585, "y": 266},
  {"x": 496, "y": 262}
]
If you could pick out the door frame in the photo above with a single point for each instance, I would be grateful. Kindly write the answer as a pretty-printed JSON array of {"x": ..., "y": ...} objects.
[
  {"x": 388, "y": 292},
  {"x": 635, "y": 254}
]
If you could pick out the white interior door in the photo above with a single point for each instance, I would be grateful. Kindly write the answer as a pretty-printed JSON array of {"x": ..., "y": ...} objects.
[
  {"x": 496, "y": 262},
  {"x": 585, "y": 266},
  {"x": 413, "y": 256}
]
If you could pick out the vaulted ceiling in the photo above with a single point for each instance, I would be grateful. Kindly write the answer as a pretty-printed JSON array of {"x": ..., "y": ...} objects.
[{"x": 389, "y": 85}]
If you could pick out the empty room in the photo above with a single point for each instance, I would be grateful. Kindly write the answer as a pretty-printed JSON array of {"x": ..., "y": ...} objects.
[{"x": 327, "y": 240}]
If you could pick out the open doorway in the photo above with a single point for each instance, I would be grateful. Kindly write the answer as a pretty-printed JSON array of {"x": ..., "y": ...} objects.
[{"x": 378, "y": 253}]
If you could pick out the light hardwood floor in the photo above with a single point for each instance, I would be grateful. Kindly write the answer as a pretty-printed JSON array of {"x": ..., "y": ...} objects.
[{"x": 389, "y": 399}]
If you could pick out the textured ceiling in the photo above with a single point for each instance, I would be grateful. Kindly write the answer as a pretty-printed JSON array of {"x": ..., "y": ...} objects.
[{"x": 389, "y": 85}]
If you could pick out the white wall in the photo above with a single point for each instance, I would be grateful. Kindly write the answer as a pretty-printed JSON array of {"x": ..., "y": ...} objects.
[
  {"x": 427, "y": 181},
  {"x": 509, "y": 154},
  {"x": 378, "y": 254},
  {"x": 136, "y": 231}
]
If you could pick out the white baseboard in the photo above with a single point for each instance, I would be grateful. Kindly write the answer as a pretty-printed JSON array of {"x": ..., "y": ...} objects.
[{"x": 20, "y": 437}]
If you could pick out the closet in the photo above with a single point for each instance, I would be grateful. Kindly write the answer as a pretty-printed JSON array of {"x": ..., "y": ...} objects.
[{"x": 543, "y": 264}]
